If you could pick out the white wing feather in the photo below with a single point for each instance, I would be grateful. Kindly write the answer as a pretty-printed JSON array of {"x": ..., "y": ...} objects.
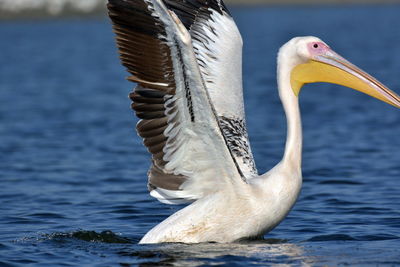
[{"x": 189, "y": 94}]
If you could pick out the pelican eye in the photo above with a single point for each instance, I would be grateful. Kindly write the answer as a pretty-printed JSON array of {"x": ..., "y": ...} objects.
[{"x": 315, "y": 45}]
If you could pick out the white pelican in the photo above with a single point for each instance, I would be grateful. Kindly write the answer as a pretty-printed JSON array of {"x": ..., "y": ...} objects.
[{"x": 185, "y": 56}]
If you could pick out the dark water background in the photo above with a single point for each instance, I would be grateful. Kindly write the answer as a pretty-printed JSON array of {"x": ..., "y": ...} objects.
[{"x": 72, "y": 167}]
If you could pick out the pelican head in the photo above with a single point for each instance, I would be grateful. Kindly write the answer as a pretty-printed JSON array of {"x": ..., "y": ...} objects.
[{"x": 314, "y": 61}]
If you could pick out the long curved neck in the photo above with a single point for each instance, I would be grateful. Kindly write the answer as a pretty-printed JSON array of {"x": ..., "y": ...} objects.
[{"x": 293, "y": 149}]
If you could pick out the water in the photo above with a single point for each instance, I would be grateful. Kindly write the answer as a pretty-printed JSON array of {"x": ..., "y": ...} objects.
[{"x": 73, "y": 172}]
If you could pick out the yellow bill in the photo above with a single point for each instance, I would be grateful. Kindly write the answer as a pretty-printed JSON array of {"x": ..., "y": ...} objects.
[{"x": 332, "y": 68}]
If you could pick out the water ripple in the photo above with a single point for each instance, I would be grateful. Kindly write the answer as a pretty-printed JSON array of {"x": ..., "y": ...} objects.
[
  {"x": 89, "y": 236},
  {"x": 332, "y": 237},
  {"x": 70, "y": 159}
]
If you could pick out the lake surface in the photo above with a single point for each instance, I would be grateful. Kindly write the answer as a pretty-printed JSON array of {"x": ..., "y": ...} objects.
[{"x": 73, "y": 172}]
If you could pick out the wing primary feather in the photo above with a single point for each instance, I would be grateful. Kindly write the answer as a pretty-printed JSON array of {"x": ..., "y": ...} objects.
[{"x": 179, "y": 122}]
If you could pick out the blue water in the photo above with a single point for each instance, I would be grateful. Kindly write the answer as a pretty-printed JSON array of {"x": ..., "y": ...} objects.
[{"x": 73, "y": 172}]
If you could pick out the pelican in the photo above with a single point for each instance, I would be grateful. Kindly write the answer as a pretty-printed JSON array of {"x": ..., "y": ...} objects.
[{"x": 185, "y": 56}]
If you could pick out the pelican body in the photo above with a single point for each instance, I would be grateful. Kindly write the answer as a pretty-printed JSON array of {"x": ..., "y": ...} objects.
[{"x": 185, "y": 56}]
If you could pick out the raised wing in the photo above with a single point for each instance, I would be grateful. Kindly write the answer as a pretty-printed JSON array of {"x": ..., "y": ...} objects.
[
  {"x": 217, "y": 45},
  {"x": 190, "y": 155}
]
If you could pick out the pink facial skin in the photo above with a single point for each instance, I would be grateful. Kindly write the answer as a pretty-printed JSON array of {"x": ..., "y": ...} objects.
[{"x": 317, "y": 48}]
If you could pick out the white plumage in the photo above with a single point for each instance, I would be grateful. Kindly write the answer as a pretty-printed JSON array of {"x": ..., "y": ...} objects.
[{"x": 186, "y": 56}]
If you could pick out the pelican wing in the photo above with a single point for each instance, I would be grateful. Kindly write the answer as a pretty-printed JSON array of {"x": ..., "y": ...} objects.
[
  {"x": 179, "y": 125},
  {"x": 218, "y": 45}
]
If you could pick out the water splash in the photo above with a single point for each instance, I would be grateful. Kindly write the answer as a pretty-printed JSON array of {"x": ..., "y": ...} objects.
[{"x": 90, "y": 236}]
